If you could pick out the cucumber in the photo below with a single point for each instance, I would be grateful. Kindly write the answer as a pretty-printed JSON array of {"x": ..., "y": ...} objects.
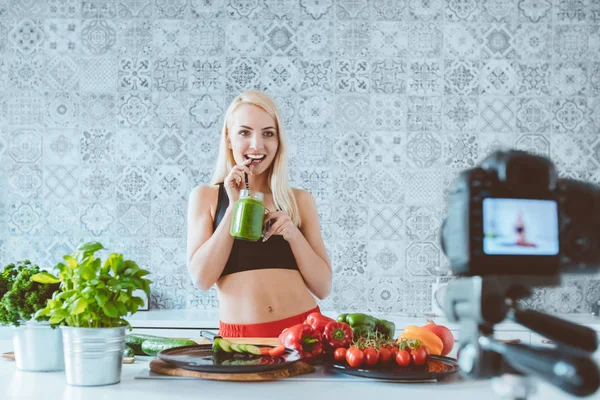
[
  {"x": 245, "y": 348},
  {"x": 221, "y": 344},
  {"x": 128, "y": 352},
  {"x": 238, "y": 348},
  {"x": 135, "y": 341},
  {"x": 252, "y": 349},
  {"x": 152, "y": 347}
]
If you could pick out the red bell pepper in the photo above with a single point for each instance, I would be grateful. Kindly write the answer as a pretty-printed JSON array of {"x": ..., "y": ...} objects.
[
  {"x": 337, "y": 334},
  {"x": 318, "y": 321},
  {"x": 302, "y": 338}
]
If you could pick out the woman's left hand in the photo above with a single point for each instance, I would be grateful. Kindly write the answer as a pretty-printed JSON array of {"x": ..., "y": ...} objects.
[{"x": 280, "y": 224}]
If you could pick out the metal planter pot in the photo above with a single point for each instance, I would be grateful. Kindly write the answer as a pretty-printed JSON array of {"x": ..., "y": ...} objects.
[
  {"x": 93, "y": 356},
  {"x": 38, "y": 347}
]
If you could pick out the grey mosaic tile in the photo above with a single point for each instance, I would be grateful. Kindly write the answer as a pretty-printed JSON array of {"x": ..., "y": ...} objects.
[{"x": 388, "y": 295}]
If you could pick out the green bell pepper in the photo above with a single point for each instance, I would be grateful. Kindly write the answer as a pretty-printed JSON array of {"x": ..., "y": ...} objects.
[
  {"x": 362, "y": 324},
  {"x": 341, "y": 318},
  {"x": 387, "y": 328},
  {"x": 359, "y": 319}
]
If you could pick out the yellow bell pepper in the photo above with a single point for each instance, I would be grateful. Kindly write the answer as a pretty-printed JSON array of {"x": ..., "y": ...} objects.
[{"x": 428, "y": 338}]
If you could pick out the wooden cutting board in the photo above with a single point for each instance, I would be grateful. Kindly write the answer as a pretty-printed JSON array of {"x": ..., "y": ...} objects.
[{"x": 297, "y": 368}]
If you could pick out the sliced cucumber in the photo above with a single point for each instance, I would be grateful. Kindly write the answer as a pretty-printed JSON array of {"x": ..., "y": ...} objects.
[
  {"x": 238, "y": 348},
  {"x": 252, "y": 349},
  {"x": 221, "y": 344}
]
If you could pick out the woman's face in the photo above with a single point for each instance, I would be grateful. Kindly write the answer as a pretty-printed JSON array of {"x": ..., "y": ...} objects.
[{"x": 253, "y": 134}]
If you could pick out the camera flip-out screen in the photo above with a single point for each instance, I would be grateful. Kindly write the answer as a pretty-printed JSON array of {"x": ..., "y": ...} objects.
[{"x": 520, "y": 227}]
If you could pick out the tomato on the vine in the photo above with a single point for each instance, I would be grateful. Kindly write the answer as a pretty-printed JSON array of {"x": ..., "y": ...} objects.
[
  {"x": 385, "y": 355},
  {"x": 339, "y": 354},
  {"x": 354, "y": 357},
  {"x": 403, "y": 358},
  {"x": 371, "y": 356},
  {"x": 418, "y": 356}
]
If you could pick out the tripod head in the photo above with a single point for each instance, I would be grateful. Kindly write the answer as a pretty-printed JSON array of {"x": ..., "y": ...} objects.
[{"x": 478, "y": 303}]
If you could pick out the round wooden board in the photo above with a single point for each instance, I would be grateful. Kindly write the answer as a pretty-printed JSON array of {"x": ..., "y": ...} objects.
[{"x": 297, "y": 368}]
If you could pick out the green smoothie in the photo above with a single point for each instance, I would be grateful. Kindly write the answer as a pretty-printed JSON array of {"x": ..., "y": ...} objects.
[{"x": 248, "y": 214}]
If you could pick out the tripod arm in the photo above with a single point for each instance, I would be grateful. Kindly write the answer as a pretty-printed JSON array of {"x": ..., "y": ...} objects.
[
  {"x": 573, "y": 371},
  {"x": 556, "y": 329}
]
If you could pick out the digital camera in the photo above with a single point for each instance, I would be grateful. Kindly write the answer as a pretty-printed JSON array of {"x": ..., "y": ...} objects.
[{"x": 512, "y": 215}]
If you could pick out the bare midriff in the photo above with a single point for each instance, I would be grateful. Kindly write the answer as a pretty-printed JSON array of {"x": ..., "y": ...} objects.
[{"x": 262, "y": 295}]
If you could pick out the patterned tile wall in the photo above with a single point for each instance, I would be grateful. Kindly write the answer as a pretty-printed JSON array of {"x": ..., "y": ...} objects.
[{"x": 110, "y": 112}]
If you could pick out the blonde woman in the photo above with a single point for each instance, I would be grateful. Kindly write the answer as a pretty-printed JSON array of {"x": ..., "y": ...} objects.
[{"x": 265, "y": 286}]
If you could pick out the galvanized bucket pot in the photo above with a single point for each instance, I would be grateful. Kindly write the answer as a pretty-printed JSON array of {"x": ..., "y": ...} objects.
[
  {"x": 38, "y": 347},
  {"x": 93, "y": 356}
]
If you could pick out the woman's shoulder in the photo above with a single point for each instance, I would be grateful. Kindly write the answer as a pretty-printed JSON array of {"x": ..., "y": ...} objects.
[
  {"x": 300, "y": 193},
  {"x": 203, "y": 193},
  {"x": 302, "y": 196}
]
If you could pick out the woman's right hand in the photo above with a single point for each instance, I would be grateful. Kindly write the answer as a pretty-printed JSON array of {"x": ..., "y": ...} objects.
[{"x": 234, "y": 181}]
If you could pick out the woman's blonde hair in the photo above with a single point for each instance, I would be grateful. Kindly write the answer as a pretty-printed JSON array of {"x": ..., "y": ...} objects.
[{"x": 283, "y": 195}]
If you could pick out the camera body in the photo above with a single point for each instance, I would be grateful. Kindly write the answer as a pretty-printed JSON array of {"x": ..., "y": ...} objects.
[{"x": 512, "y": 215}]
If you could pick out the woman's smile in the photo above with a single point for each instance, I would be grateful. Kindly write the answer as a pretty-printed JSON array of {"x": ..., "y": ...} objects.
[{"x": 257, "y": 158}]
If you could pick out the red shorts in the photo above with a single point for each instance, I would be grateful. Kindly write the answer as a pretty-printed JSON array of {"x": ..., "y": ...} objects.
[{"x": 266, "y": 329}]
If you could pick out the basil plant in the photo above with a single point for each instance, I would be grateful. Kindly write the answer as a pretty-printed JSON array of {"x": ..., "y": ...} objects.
[{"x": 92, "y": 294}]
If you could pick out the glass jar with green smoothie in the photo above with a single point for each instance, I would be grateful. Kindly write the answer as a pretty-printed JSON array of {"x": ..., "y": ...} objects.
[{"x": 248, "y": 214}]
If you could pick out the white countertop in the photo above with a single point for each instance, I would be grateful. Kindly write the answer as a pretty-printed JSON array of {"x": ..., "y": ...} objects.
[
  {"x": 199, "y": 319},
  {"x": 20, "y": 385}
]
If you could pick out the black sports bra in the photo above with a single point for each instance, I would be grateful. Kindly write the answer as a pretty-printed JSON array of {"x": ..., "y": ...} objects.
[{"x": 245, "y": 256}]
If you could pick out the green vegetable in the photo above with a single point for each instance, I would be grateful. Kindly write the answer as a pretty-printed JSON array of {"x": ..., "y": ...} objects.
[
  {"x": 237, "y": 348},
  {"x": 23, "y": 297},
  {"x": 221, "y": 344},
  {"x": 128, "y": 352},
  {"x": 342, "y": 318},
  {"x": 135, "y": 340},
  {"x": 8, "y": 276},
  {"x": 359, "y": 319},
  {"x": 152, "y": 347},
  {"x": 363, "y": 324},
  {"x": 360, "y": 323},
  {"x": 387, "y": 328},
  {"x": 92, "y": 294},
  {"x": 251, "y": 349}
]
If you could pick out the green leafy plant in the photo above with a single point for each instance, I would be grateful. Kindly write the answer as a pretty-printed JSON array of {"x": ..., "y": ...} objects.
[
  {"x": 7, "y": 277},
  {"x": 23, "y": 297},
  {"x": 92, "y": 294}
]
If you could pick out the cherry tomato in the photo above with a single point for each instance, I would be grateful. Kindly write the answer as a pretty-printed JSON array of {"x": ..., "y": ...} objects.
[
  {"x": 418, "y": 356},
  {"x": 371, "y": 356},
  {"x": 354, "y": 357},
  {"x": 339, "y": 354},
  {"x": 394, "y": 350},
  {"x": 277, "y": 351},
  {"x": 385, "y": 355},
  {"x": 403, "y": 358}
]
